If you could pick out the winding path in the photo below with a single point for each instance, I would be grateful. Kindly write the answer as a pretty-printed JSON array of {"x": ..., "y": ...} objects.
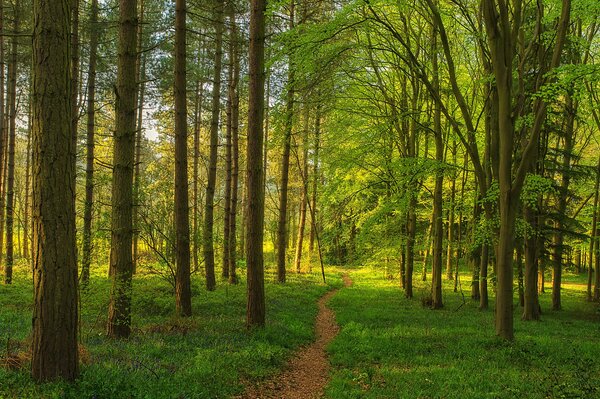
[{"x": 307, "y": 373}]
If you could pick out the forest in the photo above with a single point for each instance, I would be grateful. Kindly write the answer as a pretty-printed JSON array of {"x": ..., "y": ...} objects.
[{"x": 299, "y": 199}]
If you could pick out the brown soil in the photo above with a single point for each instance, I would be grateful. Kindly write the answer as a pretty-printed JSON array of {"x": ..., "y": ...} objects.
[{"x": 307, "y": 373}]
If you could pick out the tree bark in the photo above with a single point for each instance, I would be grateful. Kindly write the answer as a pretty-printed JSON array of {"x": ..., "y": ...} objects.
[
  {"x": 90, "y": 146},
  {"x": 183, "y": 293},
  {"x": 140, "y": 93},
  {"x": 235, "y": 151},
  {"x": 304, "y": 199},
  {"x": 54, "y": 340},
  {"x": 208, "y": 240},
  {"x": 12, "y": 135},
  {"x": 255, "y": 311},
  {"x": 282, "y": 228},
  {"x": 119, "y": 312}
]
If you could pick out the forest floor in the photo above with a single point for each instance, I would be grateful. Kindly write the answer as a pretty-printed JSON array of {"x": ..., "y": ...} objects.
[
  {"x": 307, "y": 373},
  {"x": 374, "y": 343}
]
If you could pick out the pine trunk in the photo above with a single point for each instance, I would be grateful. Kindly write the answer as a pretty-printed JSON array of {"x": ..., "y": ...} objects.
[
  {"x": 54, "y": 339},
  {"x": 208, "y": 236},
  {"x": 121, "y": 259},
  {"x": 255, "y": 313}
]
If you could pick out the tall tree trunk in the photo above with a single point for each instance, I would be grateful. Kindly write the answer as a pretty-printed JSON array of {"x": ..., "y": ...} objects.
[
  {"x": 10, "y": 179},
  {"x": 140, "y": 93},
  {"x": 208, "y": 240},
  {"x": 315, "y": 182},
  {"x": 121, "y": 259},
  {"x": 449, "y": 263},
  {"x": 54, "y": 340},
  {"x": 231, "y": 93},
  {"x": 90, "y": 145},
  {"x": 282, "y": 228},
  {"x": 3, "y": 130},
  {"x": 438, "y": 231},
  {"x": 235, "y": 152},
  {"x": 26, "y": 210},
  {"x": 304, "y": 200},
  {"x": 183, "y": 292},
  {"x": 570, "y": 112},
  {"x": 75, "y": 72},
  {"x": 255, "y": 311},
  {"x": 197, "y": 127}
]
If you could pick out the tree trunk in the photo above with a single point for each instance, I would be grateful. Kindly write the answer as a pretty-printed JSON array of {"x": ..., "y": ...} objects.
[
  {"x": 54, "y": 339},
  {"x": 304, "y": 199},
  {"x": 183, "y": 293},
  {"x": 10, "y": 179},
  {"x": 208, "y": 240},
  {"x": 90, "y": 145},
  {"x": 449, "y": 263},
  {"x": 438, "y": 231},
  {"x": 119, "y": 312},
  {"x": 141, "y": 90},
  {"x": 531, "y": 306},
  {"x": 282, "y": 229},
  {"x": 235, "y": 113},
  {"x": 231, "y": 93},
  {"x": 255, "y": 311},
  {"x": 593, "y": 234}
]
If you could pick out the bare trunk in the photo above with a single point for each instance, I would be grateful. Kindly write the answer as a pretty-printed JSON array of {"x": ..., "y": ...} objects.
[
  {"x": 54, "y": 339},
  {"x": 90, "y": 146},
  {"x": 10, "y": 178},
  {"x": 183, "y": 293},
  {"x": 208, "y": 236},
  {"x": 255, "y": 313},
  {"x": 119, "y": 312}
]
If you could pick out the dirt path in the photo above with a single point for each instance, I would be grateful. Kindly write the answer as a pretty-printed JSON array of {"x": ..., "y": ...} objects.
[{"x": 307, "y": 373}]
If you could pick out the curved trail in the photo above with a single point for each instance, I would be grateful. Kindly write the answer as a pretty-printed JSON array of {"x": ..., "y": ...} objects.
[{"x": 307, "y": 373}]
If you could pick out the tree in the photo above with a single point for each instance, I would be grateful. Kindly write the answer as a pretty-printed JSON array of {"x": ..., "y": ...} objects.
[
  {"x": 255, "y": 311},
  {"x": 90, "y": 146},
  {"x": 182, "y": 215},
  {"x": 282, "y": 228},
  {"x": 121, "y": 257},
  {"x": 209, "y": 250},
  {"x": 12, "y": 136},
  {"x": 55, "y": 315}
]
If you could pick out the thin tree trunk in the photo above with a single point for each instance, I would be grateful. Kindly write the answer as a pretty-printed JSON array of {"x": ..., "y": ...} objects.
[
  {"x": 282, "y": 228},
  {"x": 231, "y": 89},
  {"x": 304, "y": 199},
  {"x": 235, "y": 151},
  {"x": 436, "y": 279},
  {"x": 90, "y": 145},
  {"x": 315, "y": 182},
  {"x": 208, "y": 240},
  {"x": 140, "y": 93},
  {"x": 119, "y": 312},
  {"x": 54, "y": 338},
  {"x": 449, "y": 263},
  {"x": 12, "y": 135},
  {"x": 255, "y": 311},
  {"x": 26, "y": 217},
  {"x": 593, "y": 234}
]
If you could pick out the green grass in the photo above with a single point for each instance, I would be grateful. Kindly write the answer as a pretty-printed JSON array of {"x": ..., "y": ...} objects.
[
  {"x": 392, "y": 347},
  {"x": 388, "y": 346},
  {"x": 207, "y": 356}
]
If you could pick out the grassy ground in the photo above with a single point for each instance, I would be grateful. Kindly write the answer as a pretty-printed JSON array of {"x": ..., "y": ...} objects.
[
  {"x": 207, "y": 356},
  {"x": 391, "y": 347},
  {"x": 388, "y": 347}
]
